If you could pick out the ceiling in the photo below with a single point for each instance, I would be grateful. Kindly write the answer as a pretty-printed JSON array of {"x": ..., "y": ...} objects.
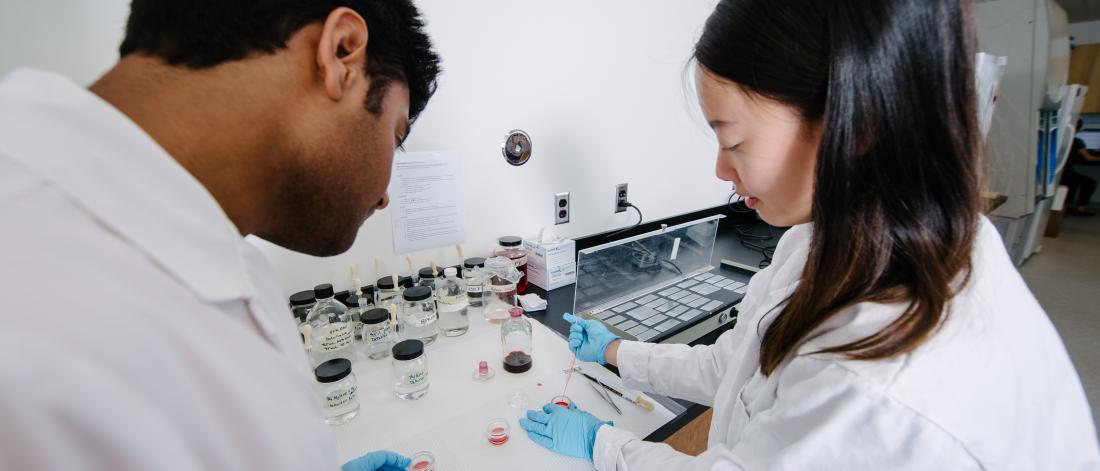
[{"x": 1081, "y": 10}]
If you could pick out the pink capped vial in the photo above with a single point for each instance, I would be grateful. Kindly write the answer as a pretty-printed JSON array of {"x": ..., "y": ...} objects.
[{"x": 483, "y": 371}]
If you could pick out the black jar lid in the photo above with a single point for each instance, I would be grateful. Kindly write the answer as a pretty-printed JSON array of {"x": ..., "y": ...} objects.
[
  {"x": 510, "y": 241},
  {"x": 417, "y": 293},
  {"x": 333, "y": 370},
  {"x": 323, "y": 291},
  {"x": 351, "y": 300},
  {"x": 474, "y": 262},
  {"x": 408, "y": 350},
  {"x": 375, "y": 316},
  {"x": 302, "y": 298},
  {"x": 386, "y": 282},
  {"x": 426, "y": 272}
]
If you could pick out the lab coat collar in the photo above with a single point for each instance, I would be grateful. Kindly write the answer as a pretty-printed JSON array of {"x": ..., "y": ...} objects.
[{"x": 94, "y": 154}]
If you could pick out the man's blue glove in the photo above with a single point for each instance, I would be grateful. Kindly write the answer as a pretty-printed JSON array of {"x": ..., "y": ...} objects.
[
  {"x": 588, "y": 339},
  {"x": 567, "y": 431},
  {"x": 378, "y": 461}
]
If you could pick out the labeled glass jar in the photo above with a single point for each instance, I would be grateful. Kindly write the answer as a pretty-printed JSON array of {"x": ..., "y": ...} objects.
[
  {"x": 473, "y": 273},
  {"x": 386, "y": 293},
  {"x": 338, "y": 390},
  {"x": 410, "y": 369},
  {"x": 300, "y": 304},
  {"x": 512, "y": 248},
  {"x": 451, "y": 300},
  {"x": 328, "y": 328},
  {"x": 356, "y": 305},
  {"x": 378, "y": 333},
  {"x": 500, "y": 294},
  {"x": 515, "y": 341},
  {"x": 419, "y": 319},
  {"x": 427, "y": 277}
]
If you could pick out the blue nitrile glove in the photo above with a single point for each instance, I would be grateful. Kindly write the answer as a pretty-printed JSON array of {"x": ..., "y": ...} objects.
[
  {"x": 567, "y": 431},
  {"x": 378, "y": 461},
  {"x": 588, "y": 339}
]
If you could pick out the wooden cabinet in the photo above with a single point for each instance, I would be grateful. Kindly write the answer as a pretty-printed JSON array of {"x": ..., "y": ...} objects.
[{"x": 1084, "y": 68}]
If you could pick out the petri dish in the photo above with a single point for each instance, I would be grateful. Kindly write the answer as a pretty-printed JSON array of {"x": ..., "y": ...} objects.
[
  {"x": 563, "y": 401},
  {"x": 518, "y": 400},
  {"x": 422, "y": 461},
  {"x": 498, "y": 431}
]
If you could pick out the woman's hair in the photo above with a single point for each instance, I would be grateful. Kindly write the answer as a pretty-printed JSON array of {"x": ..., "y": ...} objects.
[{"x": 895, "y": 204}]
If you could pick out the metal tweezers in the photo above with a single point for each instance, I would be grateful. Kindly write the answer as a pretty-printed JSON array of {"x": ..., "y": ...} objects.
[{"x": 604, "y": 394}]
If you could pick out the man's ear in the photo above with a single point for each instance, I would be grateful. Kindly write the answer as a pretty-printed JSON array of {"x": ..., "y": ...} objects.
[{"x": 342, "y": 51}]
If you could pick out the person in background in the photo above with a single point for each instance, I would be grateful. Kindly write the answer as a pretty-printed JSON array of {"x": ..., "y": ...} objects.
[
  {"x": 173, "y": 347},
  {"x": 1081, "y": 186},
  {"x": 891, "y": 331}
]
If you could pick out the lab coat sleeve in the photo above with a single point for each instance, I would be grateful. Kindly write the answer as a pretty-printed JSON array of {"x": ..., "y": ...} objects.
[
  {"x": 679, "y": 371},
  {"x": 62, "y": 413},
  {"x": 824, "y": 418}
]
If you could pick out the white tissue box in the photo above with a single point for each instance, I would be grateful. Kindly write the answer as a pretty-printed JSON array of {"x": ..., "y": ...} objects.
[{"x": 551, "y": 265}]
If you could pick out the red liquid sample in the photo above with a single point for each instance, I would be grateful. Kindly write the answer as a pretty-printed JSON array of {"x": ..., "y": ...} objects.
[
  {"x": 422, "y": 465},
  {"x": 563, "y": 404},
  {"x": 498, "y": 436},
  {"x": 517, "y": 362}
]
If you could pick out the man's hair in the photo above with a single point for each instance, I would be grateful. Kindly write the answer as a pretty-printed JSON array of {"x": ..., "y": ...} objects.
[{"x": 200, "y": 34}]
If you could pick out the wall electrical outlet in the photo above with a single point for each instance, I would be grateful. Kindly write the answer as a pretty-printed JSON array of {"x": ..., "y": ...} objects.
[
  {"x": 620, "y": 197},
  {"x": 561, "y": 208}
]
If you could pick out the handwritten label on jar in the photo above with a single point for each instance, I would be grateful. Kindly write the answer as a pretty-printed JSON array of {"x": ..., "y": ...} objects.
[
  {"x": 340, "y": 398},
  {"x": 379, "y": 335},
  {"x": 423, "y": 320},
  {"x": 519, "y": 262},
  {"x": 335, "y": 336},
  {"x": 416, "y": 377},
  {"x": 474, "y": 289}
]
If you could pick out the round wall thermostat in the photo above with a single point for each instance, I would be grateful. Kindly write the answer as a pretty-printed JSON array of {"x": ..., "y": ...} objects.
[{"x": 516, "y": 147}]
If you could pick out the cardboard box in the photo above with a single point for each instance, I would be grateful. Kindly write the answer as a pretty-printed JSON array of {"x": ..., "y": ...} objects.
[{"x": 551, "y": 265}]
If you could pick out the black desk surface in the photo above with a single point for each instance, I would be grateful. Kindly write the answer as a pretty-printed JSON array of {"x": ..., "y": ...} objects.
[{"x": 728, "y": 245}]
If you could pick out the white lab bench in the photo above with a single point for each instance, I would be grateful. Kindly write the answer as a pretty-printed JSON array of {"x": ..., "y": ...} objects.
[{"x": 451, "y": 420}]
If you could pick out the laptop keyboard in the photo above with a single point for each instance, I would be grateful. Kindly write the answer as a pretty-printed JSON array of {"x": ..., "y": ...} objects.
[{"x": 656, "y": 313}]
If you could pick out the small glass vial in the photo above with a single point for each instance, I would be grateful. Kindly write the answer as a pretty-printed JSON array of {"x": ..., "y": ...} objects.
[
  {"x": 516, "y": 344},
  {"x": 419, "y": 319},
  {"x": 300, "y": 304},
  {"x": 330, "y": 328},
  {"x": 500, "y": 297},
  {"x": 338, "y": 387},
  {"x": 473, "y": 273},
  {"x": 386, "y": 293},
  {"x": 512, "y": 247},
  {"x": 410, "y": 370},
  {"x": 426, "y": 277},
  {"x": 378, "y": 334},
  {"x": 450, "y": 295}
]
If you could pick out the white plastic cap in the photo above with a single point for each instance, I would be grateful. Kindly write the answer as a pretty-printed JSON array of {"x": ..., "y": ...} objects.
[{"x": 450, "y": 271}]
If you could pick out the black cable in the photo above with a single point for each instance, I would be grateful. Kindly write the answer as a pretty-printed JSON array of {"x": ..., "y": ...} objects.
[
  {"x": 745, "y": 233},
  {"x": 635, "y": 226}
]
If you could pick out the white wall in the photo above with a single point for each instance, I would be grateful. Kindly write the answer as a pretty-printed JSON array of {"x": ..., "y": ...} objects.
[
  {"x": 77, "y": 38},
  {"x": 1085, "y": 33},
  {"x": 600, "y": 86}
]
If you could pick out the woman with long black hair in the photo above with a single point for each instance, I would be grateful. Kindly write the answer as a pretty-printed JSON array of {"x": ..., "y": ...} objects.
[{"x": 891, "y": 330}]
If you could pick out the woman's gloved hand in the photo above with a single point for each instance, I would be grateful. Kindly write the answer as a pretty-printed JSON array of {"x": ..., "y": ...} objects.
[
  {"x": 378, "y": 461},
  {"x": 588, "y": 339},
  {"x": 567, "y": 431}
]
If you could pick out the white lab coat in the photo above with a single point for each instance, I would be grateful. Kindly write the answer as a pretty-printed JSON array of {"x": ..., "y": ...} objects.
[
  {"x": 139, "y": 329},
  {"x": 993, "y": 389}
]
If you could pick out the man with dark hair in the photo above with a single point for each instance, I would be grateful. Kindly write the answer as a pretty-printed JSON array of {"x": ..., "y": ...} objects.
[
  {"x": 174, "y": 347},
  {"x": 1081, "y": 186}
]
